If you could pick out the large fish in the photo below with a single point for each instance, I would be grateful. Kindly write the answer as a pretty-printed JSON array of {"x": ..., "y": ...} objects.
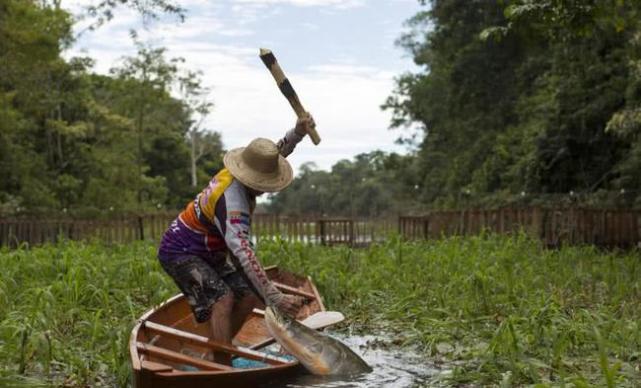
[{"x": 319, "y": 353}]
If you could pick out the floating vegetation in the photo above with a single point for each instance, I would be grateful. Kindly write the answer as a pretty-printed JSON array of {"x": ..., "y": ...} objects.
[
  {"x": 490, "y": 310},
  {"x": 483, "y": 310},
  {"x": 66, "y": 312}
]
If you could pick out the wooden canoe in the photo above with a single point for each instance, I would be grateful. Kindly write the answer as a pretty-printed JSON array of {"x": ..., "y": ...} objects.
[{"x": 167, "y": 345}]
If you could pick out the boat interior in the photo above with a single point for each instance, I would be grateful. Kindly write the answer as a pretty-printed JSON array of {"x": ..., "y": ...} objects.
[{"x": 168, "y": 338}]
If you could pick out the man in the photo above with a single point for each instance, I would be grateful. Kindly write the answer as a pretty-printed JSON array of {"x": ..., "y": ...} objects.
[{"x": 207, "y": 250}]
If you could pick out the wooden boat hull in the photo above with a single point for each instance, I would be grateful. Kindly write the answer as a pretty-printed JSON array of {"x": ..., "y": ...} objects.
[{"x": 166, "y": 339}]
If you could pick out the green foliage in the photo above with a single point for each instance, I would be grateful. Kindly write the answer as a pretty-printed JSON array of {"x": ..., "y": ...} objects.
[
  {"x": 70, "y": 139},
  {"x": 490, "y": 308},
  {"x": 102, "y": 11},
  {"x": 463, "y": 100},
  {"x": 540, "y": 97},
  {"x": 373, "y": 184},
  {"x": 67, "y": 311}
]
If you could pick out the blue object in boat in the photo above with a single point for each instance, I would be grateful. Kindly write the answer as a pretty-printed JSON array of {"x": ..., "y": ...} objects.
[{"x": 245, "y": 363}]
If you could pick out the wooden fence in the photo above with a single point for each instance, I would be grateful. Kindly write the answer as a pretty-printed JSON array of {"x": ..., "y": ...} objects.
[
  {"x": 328, "y": 231},
  {"x": 601, "y": 227},
  {"x": 607, "y": 228},
  {"x": 14, "y": 232}
]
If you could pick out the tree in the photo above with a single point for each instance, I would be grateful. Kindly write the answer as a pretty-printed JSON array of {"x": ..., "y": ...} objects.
[
  {"x": 32, "y": 79},
  {"x": 81, "y": 142},
  {"x": 371, "y": 185},
  {"x": 102, "y": 11},
  {"x": 202, "y": 142},
  {"x": 149, "y": 75},
  {"x": 464, "y": 97},
  {"x": 515, "y": 97}
]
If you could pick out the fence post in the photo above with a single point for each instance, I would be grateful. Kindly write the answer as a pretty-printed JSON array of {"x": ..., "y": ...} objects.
[
  {"x": 635, "y": 223},
  {"x": 141, "y": 228},
  {"x": 426, "y": 228},
  {"x": 321, "y": 224},
  {"x": 536, "y": 227}
]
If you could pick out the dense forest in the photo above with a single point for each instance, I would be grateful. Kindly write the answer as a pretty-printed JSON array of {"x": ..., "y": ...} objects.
[
  {"x": 74, "y": 141},
  {"x": 517, "y": 102}
]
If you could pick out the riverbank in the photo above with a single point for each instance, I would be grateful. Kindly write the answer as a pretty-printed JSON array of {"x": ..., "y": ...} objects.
[{"x": 483, "y": 310}]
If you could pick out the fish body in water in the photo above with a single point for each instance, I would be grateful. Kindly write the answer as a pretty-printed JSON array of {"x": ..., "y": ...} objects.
[{"x": 319, "y": 353}]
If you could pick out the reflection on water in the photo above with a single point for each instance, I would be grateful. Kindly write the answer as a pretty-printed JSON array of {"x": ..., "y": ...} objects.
[{"x": 392, "y": 367}]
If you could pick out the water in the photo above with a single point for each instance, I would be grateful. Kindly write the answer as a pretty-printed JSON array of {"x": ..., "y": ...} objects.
[{"x": 392, "y": 367}]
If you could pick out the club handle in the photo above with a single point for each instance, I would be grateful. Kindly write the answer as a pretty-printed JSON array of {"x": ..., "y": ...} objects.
[{"x": 286, "y": 88}]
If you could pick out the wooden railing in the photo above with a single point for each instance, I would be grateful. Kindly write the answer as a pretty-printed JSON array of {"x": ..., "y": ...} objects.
[
  {"x": 607, "y": 228},
  {"x": 305, "y": 229},
  {"x": 14, "y": 232},
  {"x": 326, "y": 231},
  {"x": 600, "y": 227}
]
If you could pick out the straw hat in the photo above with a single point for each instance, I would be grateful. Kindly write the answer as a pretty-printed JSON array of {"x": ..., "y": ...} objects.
[{"x": 259, "y": 166}]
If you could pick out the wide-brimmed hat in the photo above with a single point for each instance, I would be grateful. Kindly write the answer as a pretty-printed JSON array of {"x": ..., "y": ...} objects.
[{"x": 259, "y": 166}]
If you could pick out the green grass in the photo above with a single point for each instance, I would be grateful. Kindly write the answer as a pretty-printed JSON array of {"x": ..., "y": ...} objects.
[
  {"x": 496, "y": 310},
  {"x": 66, "y": 312}
]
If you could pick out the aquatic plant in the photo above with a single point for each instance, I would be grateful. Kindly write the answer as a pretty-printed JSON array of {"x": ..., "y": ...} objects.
[
  {"x": 66, "y": 312},
  {"x": 492, "y": 310}
]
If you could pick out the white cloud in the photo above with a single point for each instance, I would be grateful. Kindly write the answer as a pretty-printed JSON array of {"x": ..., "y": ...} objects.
[
  {"x": 344, "y": 100},
  {"x": 343, "y": 94},
  {"x": 345, "y": 69},
  {"x": 310, "y": 26},
  {"x": 237, "y": 32},
  {"x": 343, "y": 4},
  {"x": 250, "y": 11},
  {"x": 345, "y": 105}
]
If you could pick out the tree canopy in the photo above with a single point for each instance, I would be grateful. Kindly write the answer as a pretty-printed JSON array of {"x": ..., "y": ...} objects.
[
  {"x": 518, "y": 102},
  {"x": 521, "y": 101},
  {"x": 524, "y": 98},
  {"x": 373, "y": 184},
  {"x": 72, "y": 140}
]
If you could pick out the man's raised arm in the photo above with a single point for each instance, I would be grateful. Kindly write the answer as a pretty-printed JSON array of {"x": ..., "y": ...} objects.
[{"x": 287, "y": 144}]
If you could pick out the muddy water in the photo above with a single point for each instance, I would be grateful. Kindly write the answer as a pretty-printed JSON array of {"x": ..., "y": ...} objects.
[{"x": 392, "y": 367}]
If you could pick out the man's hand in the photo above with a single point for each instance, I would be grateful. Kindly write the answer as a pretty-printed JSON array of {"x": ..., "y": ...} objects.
[
  {"x": 290, "y": 304},
  {"x": 303, "y": 124}
]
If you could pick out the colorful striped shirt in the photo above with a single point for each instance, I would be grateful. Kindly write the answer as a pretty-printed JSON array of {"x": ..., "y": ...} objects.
[{"x": 219, "y": 219}]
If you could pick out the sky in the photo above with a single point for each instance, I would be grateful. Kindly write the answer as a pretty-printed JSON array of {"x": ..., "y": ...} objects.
[{"x": 339, "y": 55}]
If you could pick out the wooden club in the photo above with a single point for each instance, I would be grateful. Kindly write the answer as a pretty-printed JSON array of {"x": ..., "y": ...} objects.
[{"x": 286, "y": 88}]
